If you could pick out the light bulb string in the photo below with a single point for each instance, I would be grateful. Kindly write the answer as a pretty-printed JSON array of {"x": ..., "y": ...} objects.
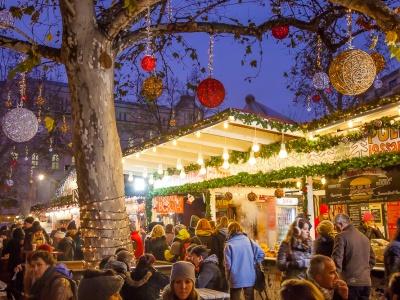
[
  {"x": 349, "y": 29},
  {"x": 22, "y": 89},
  {"x": 169, "y": 10},
  {"x": 148, "y": 32},
  {"x": 319, "y": 48},
  {"x": 211, "y": 56}
]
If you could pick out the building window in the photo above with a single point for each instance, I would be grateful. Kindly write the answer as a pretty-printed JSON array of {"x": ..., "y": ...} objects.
[
  {"x": 35, "y": 160},
  {"x": 55, "y": 162}
]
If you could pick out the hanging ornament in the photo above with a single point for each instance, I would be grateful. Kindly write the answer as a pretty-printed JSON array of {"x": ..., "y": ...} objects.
[
  {"x": 211, "y": 92},
  {"x": 64, "y": 126},
  {"x": 378, "y": 83},
  {"x": 379, "y": 61},
  {"x": 8, "y": 103},
  {"x": 6, "y": 17},
  {"x": 152, "y": 88},
  {"x": 280, "y": 31},
  {"x": 316, "y": 98},
  {"x": 40, "y": 100},
  {"x": 9, "y": 182},
  {"x": 51, "y": 145},
  {"x": 228, "y": 196},
  {"x": 320, "y": 79},
  {"x": 148, "y": 62},
  {"x": 172, "y": 121},
  {"x": 308, "y": 104},
  {"x": 26, "y": 153},
  {"x": 49, "y": 123},
  {"x": 252, "y": 196}
]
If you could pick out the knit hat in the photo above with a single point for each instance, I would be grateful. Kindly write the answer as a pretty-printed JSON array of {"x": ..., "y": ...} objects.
[
  {"x": 72, "y": 225},
  {"x": 99, "y": 285},
  {"x": 325, "y": 228},
  {"x": 323, "y": 208},
  {"x": 367, "y": 216},
  {"x": 182, "y": 270},
  {"x": 117, "y": 266},
  {"x": 59, "y": 234},
  {"x": 125, "y": 256}
]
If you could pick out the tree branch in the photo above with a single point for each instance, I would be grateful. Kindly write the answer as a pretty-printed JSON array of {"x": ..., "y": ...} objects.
[
  {"x": 386, "y": 18},
  {"x": 24, "y": 47},
  {"x": 117, "y": 17}
]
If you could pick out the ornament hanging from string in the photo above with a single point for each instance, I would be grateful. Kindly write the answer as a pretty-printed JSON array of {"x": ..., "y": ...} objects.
[
  {"x": 320, "y": 79},
  {"x": 26, "y": 153},
  {"x": 152, "y": 88},
  {"x": 308, "y": 104},
  {"x": 6, "y": 17},
  {"x": 51, "y": 145},
  {"x": 280, "y": 31},
  {"x": 40, "y": 100},
  {"x": 148, "y": 62},
  {"x": 353, "y": 71},
  {"x": 20, "y": 124},
  {"x": 64, "y": 126},
  {"x": 172, "y": 121},
  {"x": 211, "y": 92},
  {"x": 8, "y": 104}
]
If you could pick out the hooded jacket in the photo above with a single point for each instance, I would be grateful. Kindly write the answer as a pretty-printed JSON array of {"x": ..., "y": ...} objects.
[
  {"x": 67, "y": 246},
  {"x": 178, "y": 247},
  {"x": 137, "y": 240},
  {"x": 209, "y": 275},
  {"x": 391, "y": 258},
  {"x": 239, "y": 260},
  {"x": 205, "y": 236}
]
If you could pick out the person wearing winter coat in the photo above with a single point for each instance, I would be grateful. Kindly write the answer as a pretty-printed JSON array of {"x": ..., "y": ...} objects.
[
  {"x": 240, "y": 255},
  {"x": 100, "y": 285},
  {"x": 182, "y": 283},
  {"x": 146, "y": 282},
  {"x": 208, "y": 275},
  {"x": 67, "y": 247},
  {"x": 391, "y": 256},
  {"x": 217, "y": 247},
  {"x": 179, "y": 245},
  {"x": 169, "y": 233},
  {"x": 368, "y": 227},
  {"x": 204, "y": 232},
  {"x": 156, "y": 243},
  {"x": 294, "y": 252},
  {"x": 137, "y": 242},
  {"x": 49, "y": 283},
  {"x": 323, "y": 244}
]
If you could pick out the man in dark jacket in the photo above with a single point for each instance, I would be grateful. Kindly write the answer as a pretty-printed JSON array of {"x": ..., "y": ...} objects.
[
  {"x": 353, "y": 257},
  {"x": 28, "y": 230},
  {"x": 322, "y": 272},
  {"x": 209, "y": 274}
]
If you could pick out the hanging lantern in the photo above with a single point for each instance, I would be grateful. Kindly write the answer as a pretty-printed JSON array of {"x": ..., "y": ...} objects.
[
  {"x": 352, "y": 72},
  {"x": 148, "y": 63},
  {"x": 152, "y": 88},
  {"x": 251, "y": 196},
  {"x": 379, "y": 61},
  {"x": 321, "y": 80},
  {"x": 316, "y": 98},
  {"x": 378, "y": 83},
  {"x": 20, "y": 124},
  {"x": 211, "y": 92},
  {"x": 280, "y": 31}
]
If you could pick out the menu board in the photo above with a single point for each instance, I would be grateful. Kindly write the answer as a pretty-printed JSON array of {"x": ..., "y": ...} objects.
[
  {"x": 393, "y": 213},
  {"x": 168, "y": 204},
  {"x": 355, "y": 213}
]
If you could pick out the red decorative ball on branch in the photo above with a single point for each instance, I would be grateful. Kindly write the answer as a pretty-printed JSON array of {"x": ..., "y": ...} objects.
[
  {"x": 211, "y": 92},
  {"x": 280, "y": 31},
  {"x": 316, "y": 98},
  {"x": 148, "y": 63}
]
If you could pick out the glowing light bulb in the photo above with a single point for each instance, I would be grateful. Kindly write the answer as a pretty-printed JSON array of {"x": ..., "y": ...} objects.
[
  {"x": 130, "y": 177},
  {"x": 198, "y": 134},
  {"x": 323, "y": 180},
  {"x": 203, "y": 170},
  {"x": 225, "y": 154},
  {"x": 252, "y": 159},
  {"x": 137, "y": 155},
  {"x": 350, "y": 124},
  {"x": 283, "y": 153},
  {"x": 40, "y": 177},
  {"x": 160, "y": 169},
  {"x": 298, "y": 184},
  {"x": 182, "y": 174},
  {"x": 174, "y": 142},
  {"x": 226, "y": 124},
  {"x": 154, "y": 149},
  {"x": 179, "y": 164},
  {"x": 200, "y": 159},
  {"x": 256, "y": 147},
  {"x": 231, "y": 118},
  {"x": 225, "y": 165}
]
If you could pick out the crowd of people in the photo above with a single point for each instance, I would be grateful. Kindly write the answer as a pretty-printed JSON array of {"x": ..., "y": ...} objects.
[{"x": 336, "y": 265}]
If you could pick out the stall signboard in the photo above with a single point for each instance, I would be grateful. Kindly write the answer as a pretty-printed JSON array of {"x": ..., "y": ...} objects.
[
  {"x": 382, "y": 140},
  {"x": 361, "y": 186},
  {"x": 168, "y": 204},
  {"x": 221, "y": 202},
  {"x": 393, "y": 213}
]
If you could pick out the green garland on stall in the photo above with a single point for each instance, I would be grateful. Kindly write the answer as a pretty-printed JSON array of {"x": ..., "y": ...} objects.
[
  {"x": 207, "y": 196},
  {"x": 271, "y": 179},
  {"x": 149, "y": 208}
]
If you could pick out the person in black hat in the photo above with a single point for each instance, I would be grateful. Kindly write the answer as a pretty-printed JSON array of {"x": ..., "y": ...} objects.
[
  {"x": 28, "y": 229},
  {"x": 392, "y": 254}
]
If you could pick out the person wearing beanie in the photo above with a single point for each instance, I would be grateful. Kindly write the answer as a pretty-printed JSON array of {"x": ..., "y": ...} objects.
[
  {"x": 391, "y": 255},
  {"x": 57, "y": 237},
  {"x": 100, "y": 285},
  {"x": 323, "y": 244},
  {"x": 368, "y": 227},
  {"x": 208, "y": 275},
  {"x": 146, "y": 282},
  {"x": 156, "y": 243},
  {"x": 182, "y": 283},
  {"x": 323, "y": 215}
]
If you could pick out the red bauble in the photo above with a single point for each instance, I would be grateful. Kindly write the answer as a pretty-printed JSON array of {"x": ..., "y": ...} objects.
[
  {"x": 148, "y": 63},
  {"x": 280, "y": 31},
  {"x": 211, "y": 92},
  {"x": 13, "y": 163},
  {"x": 24, "y": 98},
  {"x": 316, "y": 98}
]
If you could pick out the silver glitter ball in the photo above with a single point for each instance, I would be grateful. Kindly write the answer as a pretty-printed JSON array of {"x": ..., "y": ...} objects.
[
  {"x": 20, "y": 124},
  {"x": 378, "y": 83},
  {"x": 320, "y": 80}
]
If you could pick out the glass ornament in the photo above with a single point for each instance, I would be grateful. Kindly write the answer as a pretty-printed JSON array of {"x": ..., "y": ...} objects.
[
  {"x": 280, "y": 31},
  {"x": 152, "y": 88},
  {"x": 148, "y": 63},
  {"x": 20, "y": 124},
  {"x": 211, "y": 92},
  {"x": 320, "y": 80}
]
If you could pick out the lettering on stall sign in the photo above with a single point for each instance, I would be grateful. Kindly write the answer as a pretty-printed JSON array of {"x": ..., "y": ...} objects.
[{"x": 384, "y": 140}]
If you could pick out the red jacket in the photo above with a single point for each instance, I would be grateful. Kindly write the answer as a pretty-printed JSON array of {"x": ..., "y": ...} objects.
[{"x": 139, "y": 249}]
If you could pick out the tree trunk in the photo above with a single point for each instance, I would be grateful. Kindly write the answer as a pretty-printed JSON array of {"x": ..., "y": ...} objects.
[{"x": 89, "y": 63}]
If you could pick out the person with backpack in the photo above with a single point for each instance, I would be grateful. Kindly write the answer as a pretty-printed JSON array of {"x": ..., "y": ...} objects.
[
  {"x": 67, "y": 247},
  {"x": 49, "y": 283},
  {"x": 179, "y": 245}
]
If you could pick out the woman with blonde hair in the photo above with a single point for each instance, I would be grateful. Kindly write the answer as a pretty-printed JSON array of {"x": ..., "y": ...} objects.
[
  {"x": 324, "y": 243},
  {"x": 156, "y": 243},
  {"x": 300, "y": 290},
  {"x": 204, "y": 232},
  {"x": 294, "y": 253}
]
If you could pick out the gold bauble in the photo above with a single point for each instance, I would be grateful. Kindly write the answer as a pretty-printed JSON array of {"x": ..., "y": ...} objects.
[
  {"x": 40, "y": 100},
  {"x": 152, "y": 88},
  {"x": 379, "y": 61},
  {"x": 352, "y": 72}
]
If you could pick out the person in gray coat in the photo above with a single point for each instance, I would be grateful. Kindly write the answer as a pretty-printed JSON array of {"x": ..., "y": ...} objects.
[{"x": 353, "y": 257}]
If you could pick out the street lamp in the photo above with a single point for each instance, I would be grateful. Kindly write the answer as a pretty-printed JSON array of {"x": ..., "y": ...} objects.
[{"x": 40, "y": 177}]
